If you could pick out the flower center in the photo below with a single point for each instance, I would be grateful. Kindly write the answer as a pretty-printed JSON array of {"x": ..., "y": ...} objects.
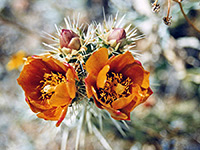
[
  {"x": 49, "y": 83},
  {"x": 115, "y": 87}
]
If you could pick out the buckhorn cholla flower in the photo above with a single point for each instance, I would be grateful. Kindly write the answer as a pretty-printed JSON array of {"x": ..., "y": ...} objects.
[
  {"x": 118, "y": 84},
  {"x": 49, "y": 86}
]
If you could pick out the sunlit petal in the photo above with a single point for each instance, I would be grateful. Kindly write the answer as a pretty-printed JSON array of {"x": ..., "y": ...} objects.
[
  {"x": 97, "y": 61},
  {"x": 117, "y": 63},
  {"x": 61, "y": 96},
  {"x": 101, "y": 78}
]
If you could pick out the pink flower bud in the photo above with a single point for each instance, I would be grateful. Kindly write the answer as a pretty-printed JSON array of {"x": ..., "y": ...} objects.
[
  {"x": 117, "y": 34},
  {"x": 69, "y": 39}
]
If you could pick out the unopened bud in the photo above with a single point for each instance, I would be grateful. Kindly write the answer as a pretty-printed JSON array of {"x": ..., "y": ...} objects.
[
  {"x": 117, "y": 34},
  {"x": 69, "y": 39}
]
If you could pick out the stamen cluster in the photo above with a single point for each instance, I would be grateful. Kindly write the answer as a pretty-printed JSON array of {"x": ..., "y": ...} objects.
[
  {"x": 115, "y": 87},
  {"x": 49, "y": 83}
]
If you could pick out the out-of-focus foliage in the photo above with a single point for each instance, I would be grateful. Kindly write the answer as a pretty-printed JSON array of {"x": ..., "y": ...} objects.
[{"x": 168, "y": 120}]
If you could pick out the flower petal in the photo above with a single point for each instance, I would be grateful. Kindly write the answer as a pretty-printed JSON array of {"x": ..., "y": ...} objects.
[
  {"x": 126, "y": 110},
  {"x": 131, "y": 106},
  {"x": 96, "y": 61},
  {"x": 31, "y": 76},
  {"x": 90, "y": 81},
  {"x": 33, "y": 108},
  {"x": 72, "y": 69},
  {"x": 135, "y": 72},
  {"x": 71, "y": 88},
  {"x": 39, "y": 104},
  {"x": 97, "y": 103},
  {"x": 145, "y": 83},
  {"x": 117, "y": 63},
  {"x": 147, "y": 94},
  {"x": 51, "y": 114},
  {"x": 55, "y": 65},
  {"x": 61, "y": 96},
  {"x": 94, "y": 92},
  {"x": 116, "y": 114},
  {"x": 95, "y": 96},
  {"x": 101, "y": 78},
  {"x": 16, "y": 60},
  {"x": 62, "y": 116},
  {"x": 122, "y": 102},
  {"x": 136, "y": 90},
  {"x": 140, "y": 97}
]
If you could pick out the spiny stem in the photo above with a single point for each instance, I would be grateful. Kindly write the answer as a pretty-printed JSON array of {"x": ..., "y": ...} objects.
[
  {"x": 167, "y": 19},
  {"x": 168, "y": 10},
  {"x": 187, "y": 19},
  {"x": 156, "y": 1}
]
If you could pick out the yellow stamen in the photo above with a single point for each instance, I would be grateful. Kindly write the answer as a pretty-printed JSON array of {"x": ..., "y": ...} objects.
[
  {"x": 115, "y": 87},
  {"x": 49, "y": 83}
]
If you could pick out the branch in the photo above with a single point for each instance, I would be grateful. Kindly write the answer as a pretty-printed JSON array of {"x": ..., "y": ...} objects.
[
  {"x": 167, "y": 19},
  {"x": 187, "y": 19}
]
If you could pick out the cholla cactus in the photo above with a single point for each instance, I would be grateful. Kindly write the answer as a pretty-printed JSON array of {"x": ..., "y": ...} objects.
[
  {"x": 85, "y": 75},
  {"x": 114, "y": 35}
]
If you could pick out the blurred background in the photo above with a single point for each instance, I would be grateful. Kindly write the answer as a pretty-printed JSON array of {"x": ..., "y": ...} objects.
[{"x": 170, "y": 119}]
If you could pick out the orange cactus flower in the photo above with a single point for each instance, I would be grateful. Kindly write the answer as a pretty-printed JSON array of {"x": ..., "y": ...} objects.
[
  {"x": 49, "y": 86},
  {"x": 118, "y": 84}
]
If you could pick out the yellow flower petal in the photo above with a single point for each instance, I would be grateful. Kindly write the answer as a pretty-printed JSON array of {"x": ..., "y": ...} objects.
[
  {"x": 97, "y": 61},
  {"x": 71, "y": 87},
  {"x": 16, "y": 61},
  {"x": 94, "y": 92},
  {"x": 61, "y": 96},
  {"x": 145, "y": 83},
  {"x": 90, "y": 80},
  {"x": 101, "y": 78},
  {"x": 122, "y": 102}
]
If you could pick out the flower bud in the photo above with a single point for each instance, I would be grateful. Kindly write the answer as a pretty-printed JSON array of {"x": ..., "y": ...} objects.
[
  {"x": 69, "y": 39},
  {"x": 117, "y": 35}
]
